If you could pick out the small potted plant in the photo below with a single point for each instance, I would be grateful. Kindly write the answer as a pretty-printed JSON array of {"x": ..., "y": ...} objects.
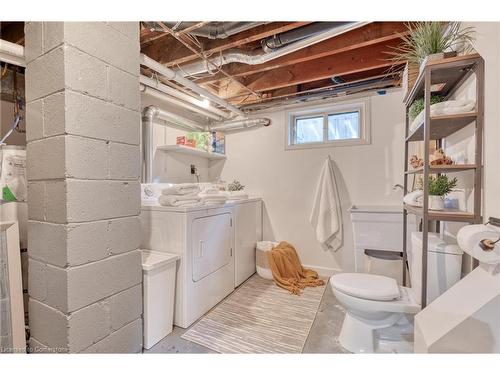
[
  {"x": 235, "y": 186},
  {"x": 429, "y": 41},
  {"x": 438, "y": 188}
]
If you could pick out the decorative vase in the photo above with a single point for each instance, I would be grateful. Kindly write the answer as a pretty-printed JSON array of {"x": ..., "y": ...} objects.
[{"x": 436, "y": 202}]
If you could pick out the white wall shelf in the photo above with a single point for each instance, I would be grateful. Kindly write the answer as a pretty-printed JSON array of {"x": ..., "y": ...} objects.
[{"x": 191, "y": 151}]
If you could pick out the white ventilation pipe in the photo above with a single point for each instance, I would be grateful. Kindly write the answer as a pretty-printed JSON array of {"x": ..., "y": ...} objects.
[
  {"x": 12, "y": 53},
  {"x": 240, "y": 124},
  {"x": 179, "y": 121},
  {"x": 149, "y": 115},
  {"x": 197, "y": 102},
  {"x": 175, "y": 76},
  {"x": 179, "y": 103},
  {"x": 261, "y": 57},
  {"x": 147, "y": 152}
]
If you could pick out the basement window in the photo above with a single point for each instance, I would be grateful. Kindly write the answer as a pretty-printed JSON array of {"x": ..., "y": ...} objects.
[{"x": 342, "y": 124}]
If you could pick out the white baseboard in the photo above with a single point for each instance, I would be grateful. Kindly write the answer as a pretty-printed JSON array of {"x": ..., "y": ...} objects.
[{"x": 324, "y": 271}]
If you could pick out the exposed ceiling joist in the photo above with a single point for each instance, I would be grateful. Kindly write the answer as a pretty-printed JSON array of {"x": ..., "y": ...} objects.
[
  {"x": 163, "y": 50},
  {"x": 370, "y": 34},
  {"x": 353, "y": 61}
]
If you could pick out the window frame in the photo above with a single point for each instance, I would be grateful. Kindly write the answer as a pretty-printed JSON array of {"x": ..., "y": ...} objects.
[{"x": 362, "y": 106}]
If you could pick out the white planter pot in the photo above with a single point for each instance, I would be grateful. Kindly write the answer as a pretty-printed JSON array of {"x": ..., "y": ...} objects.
[{"x": 436, "y": 202}]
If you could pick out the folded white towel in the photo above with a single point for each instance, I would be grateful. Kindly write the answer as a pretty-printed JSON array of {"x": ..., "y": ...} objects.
[
  {"x": 210, "y": 190},
  {"x": 415, "y": 198},
  {"x": 181, "y": 189},
  {"x": 221, "y": 195},
  {"x": 449, "y": 107},
  {"x": 237, "y": 195},
  {"x": 179, "y": 200},
  {"x": 211, "y": 199}
]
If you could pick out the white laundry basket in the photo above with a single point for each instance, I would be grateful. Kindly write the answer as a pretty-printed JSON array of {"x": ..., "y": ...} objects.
[
  {"x": 261, "y": 261},
  {"x": 158, "y": 272}
]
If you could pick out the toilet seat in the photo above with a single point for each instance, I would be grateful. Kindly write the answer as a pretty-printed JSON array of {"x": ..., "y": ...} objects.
[
  {"x": 405, "y": 304},
  {"x": 366, "y": 286}
]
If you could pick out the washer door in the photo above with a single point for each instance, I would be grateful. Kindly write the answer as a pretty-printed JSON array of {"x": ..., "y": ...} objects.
[{"x": 211, "y": 244}]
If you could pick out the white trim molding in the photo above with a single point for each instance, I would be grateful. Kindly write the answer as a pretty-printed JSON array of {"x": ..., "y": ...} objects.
[{"x": 361, "y": 105}]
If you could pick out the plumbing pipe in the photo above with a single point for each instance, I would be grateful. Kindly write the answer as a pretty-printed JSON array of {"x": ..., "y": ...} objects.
[
  {"x": 175, "y": 76},
  {"x": 147, "y": 152},
  {"x": 287, "y": 37},
  {"x": 261, "y": 57},
  {"x": 212, "y": 30},
  {"x": 149, "y": 115},
  {"x": 198, "y": 103},
  {"x": 12, "y": 53},
  {"x": 240, "y": 124},
  {"x": 170, "y": 99},
  {"x": 178, "y": 121}
]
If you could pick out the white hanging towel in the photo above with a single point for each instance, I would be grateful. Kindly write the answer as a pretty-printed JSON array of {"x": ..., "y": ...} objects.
[{"x": 326, "y": 216}]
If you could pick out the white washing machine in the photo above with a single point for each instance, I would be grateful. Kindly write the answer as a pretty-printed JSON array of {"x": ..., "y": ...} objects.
[{"x": 204, "y": 237}]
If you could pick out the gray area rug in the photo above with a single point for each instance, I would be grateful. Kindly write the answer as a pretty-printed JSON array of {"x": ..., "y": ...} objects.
[{"x": 259, "y": 317}]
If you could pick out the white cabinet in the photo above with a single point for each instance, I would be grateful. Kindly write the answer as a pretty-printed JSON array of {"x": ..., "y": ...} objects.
[{"x": 247, "y": 232}]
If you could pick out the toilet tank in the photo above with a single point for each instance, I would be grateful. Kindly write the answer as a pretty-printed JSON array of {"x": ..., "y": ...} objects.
[
  {"x": 377, "y": 227},
  {"x": 444, "y": 266}
]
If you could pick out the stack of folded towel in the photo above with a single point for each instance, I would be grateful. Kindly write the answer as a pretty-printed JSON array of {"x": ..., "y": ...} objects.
[
  {"x": 237, "y": 195},
  {"x": 181, "y": 195},
  {"x": 448, "y": 107},
  {"x": 213, "y": 198}
]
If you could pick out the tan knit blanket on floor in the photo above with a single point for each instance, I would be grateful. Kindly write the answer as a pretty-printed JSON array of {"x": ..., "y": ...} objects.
[{"x": 287, "y": 271}]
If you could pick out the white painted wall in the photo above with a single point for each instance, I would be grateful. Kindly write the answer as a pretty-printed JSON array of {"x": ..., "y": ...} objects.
[{"x": 287, "y": 179}]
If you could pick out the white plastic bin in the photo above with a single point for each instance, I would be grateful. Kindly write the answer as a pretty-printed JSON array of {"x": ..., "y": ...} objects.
[
  {"x": 262, "y": 264},
  {"x": 158, "y": 272}
]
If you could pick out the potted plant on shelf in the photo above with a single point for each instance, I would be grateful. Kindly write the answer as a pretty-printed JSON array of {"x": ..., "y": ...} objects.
[
  {"x": 438, "y": 188},
  {"x": 426, "y": 41}
]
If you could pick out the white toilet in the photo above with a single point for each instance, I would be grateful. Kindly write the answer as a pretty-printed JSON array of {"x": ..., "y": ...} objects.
[{"x": 374, "y": 302}]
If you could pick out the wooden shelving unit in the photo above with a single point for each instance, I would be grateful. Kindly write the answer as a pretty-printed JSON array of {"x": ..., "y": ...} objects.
[
  {"x": 437, "y": 169},
  {"x": 444, "y": 77},
  {"x": 443, "y": 126}
]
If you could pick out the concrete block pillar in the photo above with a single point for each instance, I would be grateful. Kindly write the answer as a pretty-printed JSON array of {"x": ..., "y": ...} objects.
[{"x": 83, "y": 169}]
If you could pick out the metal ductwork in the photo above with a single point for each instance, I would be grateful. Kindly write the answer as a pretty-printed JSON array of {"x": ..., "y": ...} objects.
[
  {"x": 212, "y": 30},
  {"x": 283, "y": 39},
  {"x": 151, "y": 113},
  {"x": 12, "y": 53},
  {"x": 240, "y": 124},
  {"x": 177, "y": 77},
  {"x": 261, "y": 56}
]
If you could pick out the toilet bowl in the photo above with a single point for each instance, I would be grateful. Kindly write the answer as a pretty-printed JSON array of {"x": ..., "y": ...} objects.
[
  {"x": 372, "y": 302},
  {"x": 375, "y": 302}
]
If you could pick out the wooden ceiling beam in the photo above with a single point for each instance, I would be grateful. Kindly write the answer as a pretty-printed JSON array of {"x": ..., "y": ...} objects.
[
  {"x": 373, "y": 33},
  {"x": 160, "y": 51},
  {"x": 350, "y": 62}
]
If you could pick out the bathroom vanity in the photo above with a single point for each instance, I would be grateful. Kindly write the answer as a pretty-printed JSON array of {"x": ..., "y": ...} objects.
[{"x": 216, "y": 245}]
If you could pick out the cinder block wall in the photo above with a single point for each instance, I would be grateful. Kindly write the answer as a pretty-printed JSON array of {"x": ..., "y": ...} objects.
[{"x": 83, "y": 168}]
